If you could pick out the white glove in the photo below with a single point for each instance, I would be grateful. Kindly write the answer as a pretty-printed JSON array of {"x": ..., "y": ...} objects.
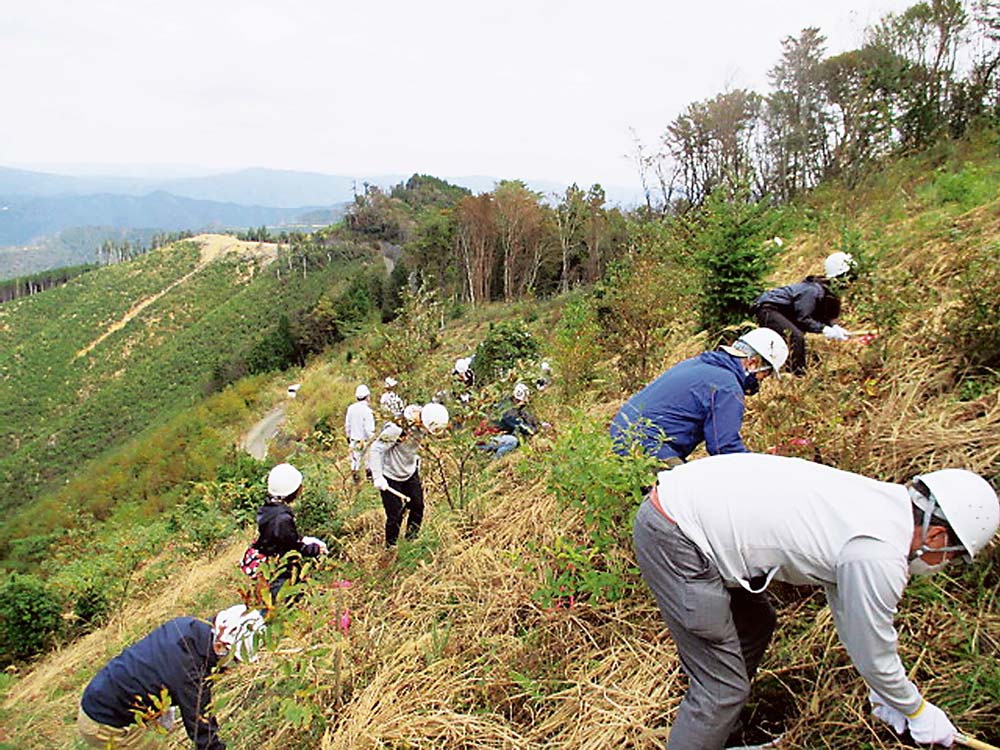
[
  {"x": 380, "y": 484},
  {"x": 835, "y": 333},
  {"x": 168, "y": 720},
  {"x": 313, "y": 540},
  {"x": 930, "y": 726},
  {"x": 888, "y": 714}
]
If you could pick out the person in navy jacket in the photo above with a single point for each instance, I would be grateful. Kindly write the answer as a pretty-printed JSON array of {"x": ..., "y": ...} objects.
[
  {"x": 811, "y": 306},
  {"x": 175, "y": 661},
  {"x": 698, "y": 400},
  {"x": 277, "y": 534}
]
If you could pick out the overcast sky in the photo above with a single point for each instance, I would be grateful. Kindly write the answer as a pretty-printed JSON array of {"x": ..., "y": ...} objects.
[{"x": 538, "y": 89}]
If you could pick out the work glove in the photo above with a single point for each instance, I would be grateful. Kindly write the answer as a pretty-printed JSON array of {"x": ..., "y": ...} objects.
[
  {"x": 930, "y": 726},
  {"x": 380, "y": 484},
  {"x": 313, "y": 540},
  {"x": 882, "y": 710},
  {"x": 836, "y": 333},
  {"x": 168, "y": 719}
]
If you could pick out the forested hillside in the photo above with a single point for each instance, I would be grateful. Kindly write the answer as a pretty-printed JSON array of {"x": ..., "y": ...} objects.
[
  {"x": 517, "y": 618},
  {"x": 90, "y": 364}
]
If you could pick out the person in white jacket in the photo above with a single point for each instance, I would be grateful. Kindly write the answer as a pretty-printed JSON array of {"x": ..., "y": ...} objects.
[
  {"x": 359, "y": 427},
  {"x": 713, "y": 533}
]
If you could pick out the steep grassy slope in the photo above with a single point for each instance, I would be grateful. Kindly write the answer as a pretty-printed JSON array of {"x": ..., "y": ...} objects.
[{"x": 451, "y": 643}]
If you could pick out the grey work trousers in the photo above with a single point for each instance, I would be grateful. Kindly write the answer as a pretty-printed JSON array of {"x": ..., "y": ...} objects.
[{"x": 721, "y": 634}]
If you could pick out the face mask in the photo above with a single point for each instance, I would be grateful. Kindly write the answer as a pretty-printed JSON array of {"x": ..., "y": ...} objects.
[
  {"x": 750, "y": 384},
  {"x": 919, "y": 567}
]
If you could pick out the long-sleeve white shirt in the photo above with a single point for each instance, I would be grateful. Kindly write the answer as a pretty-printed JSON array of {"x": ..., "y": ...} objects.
[
  {"x": 393, "y": 454},
  {"x": 762, "y": 517},
  {"x": 359, "y": 422}
]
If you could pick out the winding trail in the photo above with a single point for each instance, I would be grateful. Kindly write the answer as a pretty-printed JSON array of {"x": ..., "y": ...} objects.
[
  {"x": 212, "y": 246},
  {"x": 255, "y": 443}
]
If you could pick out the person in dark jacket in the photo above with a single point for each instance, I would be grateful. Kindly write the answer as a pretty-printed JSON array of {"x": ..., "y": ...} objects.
[
  {"x": 699, "y": 399},
  {"x": 168, "y": 671},
  {"x": 811, "y": 306},
  {"x": 516, "y": 423},
  {"x": 277, "y": 534}
]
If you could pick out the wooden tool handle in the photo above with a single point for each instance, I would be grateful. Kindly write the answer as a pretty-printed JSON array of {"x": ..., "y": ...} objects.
[
  {"x": 975, "y": 744},
  {"x": 399, "y": 494}
]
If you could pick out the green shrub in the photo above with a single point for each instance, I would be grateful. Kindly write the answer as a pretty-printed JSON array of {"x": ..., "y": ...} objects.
[
  {"x": 974, "y": 324},
  {"x": 242, "y": 481},
  {"x": 505, "y": 344},
  {"x": 203, "y": 520},
  {"x": 30, "y": 616},
  {"x": 587, "y": 475},
  {"x": 733, "y": 255},
  {"x": 317, "y": 513},
  {"x": 401, "y": 346},
  {"x": 645, "y": 296},
  {"x": 967, "y": 188},
  {"x": 577, "y": 345},
  {"x": 873, "y": 294},
  {"x": 91, "y": 605}
]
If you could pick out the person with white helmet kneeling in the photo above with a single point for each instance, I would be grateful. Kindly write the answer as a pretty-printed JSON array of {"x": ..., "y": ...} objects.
[
  {"x": 172, "y": 665},
  {"x": 811, "y": 306},
  {"x": 277, "y": 534},
  {"x": 395, "y": 465},
  {"x": 712, "y": 535},
  {"x": 699, "y": 399},
  {"x": 516, "y": 423},
  {"x": 359, "y": 427}
]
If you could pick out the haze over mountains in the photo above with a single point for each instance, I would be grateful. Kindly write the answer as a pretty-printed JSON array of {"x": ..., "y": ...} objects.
[
  {"x": 256, "y": 186},
  {"x": 37, "y": 208}
]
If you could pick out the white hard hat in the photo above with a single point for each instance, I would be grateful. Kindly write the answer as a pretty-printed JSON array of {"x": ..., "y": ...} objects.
[
  {"x": 968, "y": 504},
  {"x": 283, "y": 480},
  {"x": 391, "y": 382},
  {"x": 521, "y": 392},
  {"x": 434, "y": 417},
  {"x": 362, "y": 392},
  {"x": 837, "y": 264},
  {"x": 769, "y": 345},
  {"x": 239, "y": 630},
  {"x": 412, "y": 412},
  {"x": 462, "y": 365}
]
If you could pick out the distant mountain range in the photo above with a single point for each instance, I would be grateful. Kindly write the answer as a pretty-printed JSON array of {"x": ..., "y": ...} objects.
[
  {"x": 248, "y": 187},
  {"x": 38, "y": 208},
  {"x": 254, "y": 187},
  {"x": 24, "y": 219}
]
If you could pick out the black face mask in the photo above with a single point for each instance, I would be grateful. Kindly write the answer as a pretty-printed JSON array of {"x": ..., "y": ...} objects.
[{"x": 750, "y": 384}]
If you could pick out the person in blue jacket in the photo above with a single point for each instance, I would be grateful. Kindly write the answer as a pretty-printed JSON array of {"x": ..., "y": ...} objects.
[
  {"x": 699, "y": 400},
  {"x": 167, "y": 672}
]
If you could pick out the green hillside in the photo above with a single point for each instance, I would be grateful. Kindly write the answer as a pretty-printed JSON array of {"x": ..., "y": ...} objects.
[
  {"x": 86, "y": 366},
  {"x": 517, "y": 619}
]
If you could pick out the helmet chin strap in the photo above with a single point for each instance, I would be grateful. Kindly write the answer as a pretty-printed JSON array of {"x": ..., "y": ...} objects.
[{"x": 927, "y": 505}]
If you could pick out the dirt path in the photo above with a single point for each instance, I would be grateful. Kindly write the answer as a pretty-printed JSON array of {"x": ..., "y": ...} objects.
[
  {"x": 212, "y": 247},
  {"x": 256, "y": 440}
]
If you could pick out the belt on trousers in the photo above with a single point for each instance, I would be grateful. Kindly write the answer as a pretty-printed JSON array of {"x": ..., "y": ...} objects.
[{"x": 654, "y": 499}]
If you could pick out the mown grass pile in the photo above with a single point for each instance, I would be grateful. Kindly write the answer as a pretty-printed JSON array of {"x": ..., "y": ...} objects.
[{"x": 500, "y": 628}]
